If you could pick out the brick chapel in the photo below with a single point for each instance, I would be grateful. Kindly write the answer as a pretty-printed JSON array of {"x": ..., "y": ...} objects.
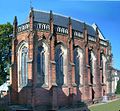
[{"x": 58, "y": 61}]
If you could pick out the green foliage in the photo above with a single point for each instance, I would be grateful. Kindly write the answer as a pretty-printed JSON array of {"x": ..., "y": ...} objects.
[
  {"x": 118, "y": 87},
  {"x": 5, "y": 50}
]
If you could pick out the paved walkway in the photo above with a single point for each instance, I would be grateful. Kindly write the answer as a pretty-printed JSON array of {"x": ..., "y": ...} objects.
[{"x": 104, "y": 102}]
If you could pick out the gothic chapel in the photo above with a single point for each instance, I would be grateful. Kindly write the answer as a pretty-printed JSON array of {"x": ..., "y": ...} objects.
[{"x": 58, "y": 61}]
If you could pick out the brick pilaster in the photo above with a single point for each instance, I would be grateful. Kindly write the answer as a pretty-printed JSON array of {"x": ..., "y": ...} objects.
[
  {"x": 51, "y": 22},
  {"x": 85, "y": 63},
  {"x": 52, "y": 61},
  {"x": 53, "y": 64},
  {"x": 52, "y": 51},
  {"x": 30, "y": 46},
  {"x": 70, "y": 53},
  {"x": 98, "y": 76},
  {"x": 14, "y": 90},
  {"x": 14, "y": 93},
  {"x": 30, "y": 55}
]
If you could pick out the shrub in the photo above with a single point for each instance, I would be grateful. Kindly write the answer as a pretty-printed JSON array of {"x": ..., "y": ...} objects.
[{"x": 118, "y": 87}]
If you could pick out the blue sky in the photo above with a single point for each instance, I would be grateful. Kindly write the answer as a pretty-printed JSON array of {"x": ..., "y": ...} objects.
[{"x": 105, "y": 14}]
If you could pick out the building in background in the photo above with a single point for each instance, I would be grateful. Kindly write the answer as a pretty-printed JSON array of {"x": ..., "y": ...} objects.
[
  {"x": 115, "y": 78},
  {"x": 58, "y": 61}
]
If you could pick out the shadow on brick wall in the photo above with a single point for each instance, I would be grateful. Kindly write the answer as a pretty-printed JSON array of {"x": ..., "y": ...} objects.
[
  {"x": 39, "y": 98},
  {"x": 4, "y": 102}
]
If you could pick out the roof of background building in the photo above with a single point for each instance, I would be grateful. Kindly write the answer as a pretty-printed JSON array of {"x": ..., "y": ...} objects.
[
  {"x": 4, "y": 87},
  {"x": 60, "y": 20}
]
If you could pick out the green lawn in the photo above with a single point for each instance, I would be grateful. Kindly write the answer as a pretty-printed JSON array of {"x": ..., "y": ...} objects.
[
  {"x": 118, "y": 95},
  {"x": 112, "y": 106}
]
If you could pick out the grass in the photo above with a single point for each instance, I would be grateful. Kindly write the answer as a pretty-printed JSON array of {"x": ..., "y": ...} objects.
[
  {"x": 118, "y": 95},
  {"x": 112, "y": 106}
]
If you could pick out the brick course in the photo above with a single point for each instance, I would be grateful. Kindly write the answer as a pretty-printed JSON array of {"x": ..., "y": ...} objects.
[{"x": 52, "y": 95}]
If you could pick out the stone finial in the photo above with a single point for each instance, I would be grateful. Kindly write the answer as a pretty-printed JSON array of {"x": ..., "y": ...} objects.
[
  {"x": 70, "y": 22},
  {"x": 51, "y": 15},
  {"x": 51, "y": 22},
  {"x": 15, "y": 20},
  {"x": 98, "y": 38},
  {"x": 69, "y": 29},
  {"x": 97, "y": 32},
  {"x": 84, "y": 26},
  {"x": 31, "y": 12},
  {"x": 31, "y": 19},
  {"x": 15, "y": 23}
]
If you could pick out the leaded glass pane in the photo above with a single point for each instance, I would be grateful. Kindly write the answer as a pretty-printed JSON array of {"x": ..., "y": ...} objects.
[
  {"x": 24, "y": 68},
  {"x": 59, "y": 66},
  {"x": 77, "y": 67},
  {"x": 41, "y": 64}
]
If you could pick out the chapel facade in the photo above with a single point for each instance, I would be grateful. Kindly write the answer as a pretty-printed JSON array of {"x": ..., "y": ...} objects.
[{"x": 58, "y": 61}]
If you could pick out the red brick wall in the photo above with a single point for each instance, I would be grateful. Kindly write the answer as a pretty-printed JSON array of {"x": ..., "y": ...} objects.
[{"x": 36, "y": 95}]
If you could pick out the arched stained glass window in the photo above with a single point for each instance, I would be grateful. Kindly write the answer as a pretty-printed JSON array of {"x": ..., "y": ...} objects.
[
  {"x": 61, "y": 65},
  {"x": 42, "y": 64},
  {"x": 24, "y": 68},
  {"x": 92, "y": 62},
  {"x": 91, "y": 67},
  {"x": 78, "y": 61},
  {"x": 77, "y": 68},
  {"x": 103, "y": 65},
  {"x": 22, "y": 65}
]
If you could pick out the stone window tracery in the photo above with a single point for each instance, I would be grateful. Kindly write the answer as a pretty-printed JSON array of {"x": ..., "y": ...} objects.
[
  {"x": 78, "y": 61},
  {"x": 92, "y": 64},
  {"x": 61, "y": 65},
  {"x": 22, "y": 65},
  {"x": 42, "y": 64},
  {"x": 103, "y": 65}
]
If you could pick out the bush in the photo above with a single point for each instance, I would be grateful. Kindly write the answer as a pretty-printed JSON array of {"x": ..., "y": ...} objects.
[{"x": 118, "y": 87}]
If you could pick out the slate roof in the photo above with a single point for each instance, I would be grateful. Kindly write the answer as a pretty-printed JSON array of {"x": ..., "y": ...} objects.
[{"x": 40, "y": 16}]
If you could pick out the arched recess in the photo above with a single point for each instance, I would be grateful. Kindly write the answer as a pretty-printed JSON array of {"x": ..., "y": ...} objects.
[
  {"x": 104, "y": 67},
  {"x": 42, "y": 63},
  {"x": 61, "y": 64},
  {"x": 22, "y": 64},
  {"x": 92, "y": 64},
  {"x": 78, "y": 61}
]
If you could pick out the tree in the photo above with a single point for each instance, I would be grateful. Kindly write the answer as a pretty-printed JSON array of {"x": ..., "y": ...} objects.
[
  {"x": 118, "y": 87},
  {"x": 5, "y": 50}
]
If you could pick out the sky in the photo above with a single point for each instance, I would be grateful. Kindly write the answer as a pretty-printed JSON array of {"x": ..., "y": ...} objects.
[{"x": 106, "y": 14}]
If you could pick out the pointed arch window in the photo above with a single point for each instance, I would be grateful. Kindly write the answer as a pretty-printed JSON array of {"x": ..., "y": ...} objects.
[
  {"x": 24, "y": 68},
  {"x": 42, "y": 64},
  {"x": 101, "y": 61},
  {"x": 103, "y": 65},
  {"x": 91, "y": 66},
  {"x": 61, "y": 69},
  {"x": 78, "y": 61},
  {"x": 92, "y": 62},
  {"x": 22, "y": 65}
]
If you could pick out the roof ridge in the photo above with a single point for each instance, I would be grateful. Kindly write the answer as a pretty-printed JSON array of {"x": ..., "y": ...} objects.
[{"x": 41, "y": 11}]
